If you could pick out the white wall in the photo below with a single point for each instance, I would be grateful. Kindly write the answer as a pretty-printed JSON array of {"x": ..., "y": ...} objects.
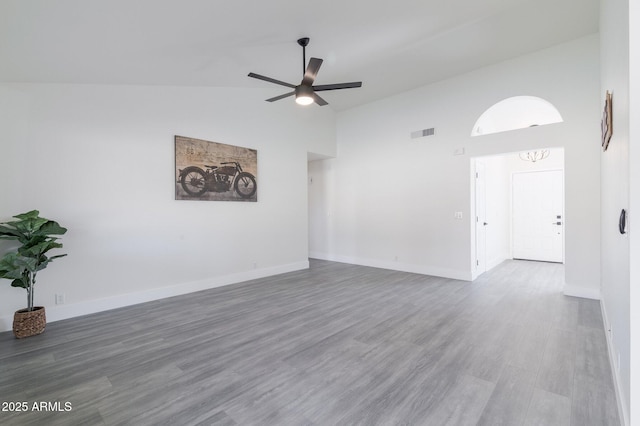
[
  {"x": 392, "y": 196},
  {"x": 100, "y": 160},
  {"x": 13, "y": 120},
  {"x": 615, "y": 181}
]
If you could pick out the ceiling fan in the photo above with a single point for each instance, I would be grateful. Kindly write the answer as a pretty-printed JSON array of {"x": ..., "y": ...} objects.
[{"x": 305, "y": 91}]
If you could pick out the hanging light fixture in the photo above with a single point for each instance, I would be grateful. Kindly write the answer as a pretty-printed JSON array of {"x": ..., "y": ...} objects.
[{"x": 534, "y": 156}]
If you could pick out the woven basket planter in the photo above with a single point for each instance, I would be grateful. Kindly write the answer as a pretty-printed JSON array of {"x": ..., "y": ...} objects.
[{"x": 29, "y": 323}]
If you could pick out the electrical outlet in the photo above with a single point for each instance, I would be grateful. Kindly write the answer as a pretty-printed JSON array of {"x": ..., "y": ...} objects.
[{"x": 60, "y": 299}]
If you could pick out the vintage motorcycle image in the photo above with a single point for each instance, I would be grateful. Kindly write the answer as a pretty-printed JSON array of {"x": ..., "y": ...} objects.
[{"x": 223, "y": 178}]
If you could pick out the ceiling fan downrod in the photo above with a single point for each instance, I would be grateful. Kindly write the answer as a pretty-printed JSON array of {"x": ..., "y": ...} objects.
[{"x": 304, "y": 42}]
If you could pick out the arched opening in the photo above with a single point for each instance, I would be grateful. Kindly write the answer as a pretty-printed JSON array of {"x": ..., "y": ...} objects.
[{"x": 517, "y": 112}]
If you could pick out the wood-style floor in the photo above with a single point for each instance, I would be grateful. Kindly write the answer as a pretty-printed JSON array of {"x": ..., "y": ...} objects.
[{"x": 333, "y": 345}]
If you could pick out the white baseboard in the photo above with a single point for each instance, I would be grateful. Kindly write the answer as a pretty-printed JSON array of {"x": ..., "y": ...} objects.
[
  {"x": 577, "y": 291},
  {"x": 395, "y": 266},
  {"x": 623, "y": 412},
  {"x": 60, "y": 312}
]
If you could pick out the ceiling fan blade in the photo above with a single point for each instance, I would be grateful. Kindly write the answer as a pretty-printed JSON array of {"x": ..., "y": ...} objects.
[
  {"x": 337, "y": 86},
  {"x": 312, "y": 71},
  {"x": 271, "y": 80},
  {"x": 277, "y": 98},
  {"x": 319, "y": 100}
]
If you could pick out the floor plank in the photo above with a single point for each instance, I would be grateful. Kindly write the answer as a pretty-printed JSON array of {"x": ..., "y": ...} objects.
[{"x": 547, "y": 408}]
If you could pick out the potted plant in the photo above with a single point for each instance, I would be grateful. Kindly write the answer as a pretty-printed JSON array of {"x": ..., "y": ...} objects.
[{"x": 22, "y": 264}]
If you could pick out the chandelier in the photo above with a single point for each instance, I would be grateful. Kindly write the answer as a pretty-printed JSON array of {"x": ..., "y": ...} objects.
[{"x": 534, "y": 156}]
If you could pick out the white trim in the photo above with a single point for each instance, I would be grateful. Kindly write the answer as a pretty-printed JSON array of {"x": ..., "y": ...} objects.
[
  {"x": 60, "y": 312},
  {"x": 615, "y": 372},
  {"x": 396, "y": 266},
  {"x": 577, "y": 291}
]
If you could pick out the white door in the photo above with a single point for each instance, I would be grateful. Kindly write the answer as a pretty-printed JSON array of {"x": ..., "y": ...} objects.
[
  {"x": 538, "y": 215},
  {"x": 481, "y": 219}
]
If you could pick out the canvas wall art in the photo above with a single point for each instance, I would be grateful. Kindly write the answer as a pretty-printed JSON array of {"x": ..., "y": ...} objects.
[{"x": 212, "y": 171}]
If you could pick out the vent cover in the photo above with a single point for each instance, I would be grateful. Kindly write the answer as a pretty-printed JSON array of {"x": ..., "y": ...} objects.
[{"x": 422, "y": 133}]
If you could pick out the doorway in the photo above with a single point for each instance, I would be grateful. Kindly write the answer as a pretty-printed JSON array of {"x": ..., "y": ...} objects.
[{"x": 499, "y": 231}]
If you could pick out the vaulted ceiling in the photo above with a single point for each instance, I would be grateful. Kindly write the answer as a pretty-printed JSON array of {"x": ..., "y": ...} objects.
[{"x": 391, "y": 46}]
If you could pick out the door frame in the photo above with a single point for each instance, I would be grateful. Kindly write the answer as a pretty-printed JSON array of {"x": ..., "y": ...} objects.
[{"x": 507, "y": 223}]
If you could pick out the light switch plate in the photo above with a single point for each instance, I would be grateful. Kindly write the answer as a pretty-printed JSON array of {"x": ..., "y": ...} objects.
[{"x": 459, "y": 151}]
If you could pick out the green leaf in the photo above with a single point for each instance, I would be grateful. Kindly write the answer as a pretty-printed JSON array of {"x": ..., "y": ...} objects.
[
  {"x": 13, "y": 265},
  {"x": 31, "y": 225},
  {"x": 51, "y": 228},
  {"x": 41, "y": 248},
  {"x": 42, "y": 263},
  {"x": 56, "y": 256},
  {"x": 8, "y": 233},
  {"x": 19, "y": 283},
  {"x": 28, "y": 215}
]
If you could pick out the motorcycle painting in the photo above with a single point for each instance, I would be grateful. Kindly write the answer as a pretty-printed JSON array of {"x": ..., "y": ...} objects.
[{"x": 211, "y": 171}]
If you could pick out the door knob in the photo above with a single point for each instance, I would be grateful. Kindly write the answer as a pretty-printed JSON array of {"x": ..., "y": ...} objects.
[{"x": 485, "y": 223}]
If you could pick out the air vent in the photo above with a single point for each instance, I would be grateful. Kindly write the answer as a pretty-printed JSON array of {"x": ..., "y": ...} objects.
[{"x": 422, "y": 133}]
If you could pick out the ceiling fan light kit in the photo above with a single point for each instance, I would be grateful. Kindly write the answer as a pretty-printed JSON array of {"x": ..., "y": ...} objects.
[
  {"x": 305, "y": 92},
  {"x": 304, "y": 95}
]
